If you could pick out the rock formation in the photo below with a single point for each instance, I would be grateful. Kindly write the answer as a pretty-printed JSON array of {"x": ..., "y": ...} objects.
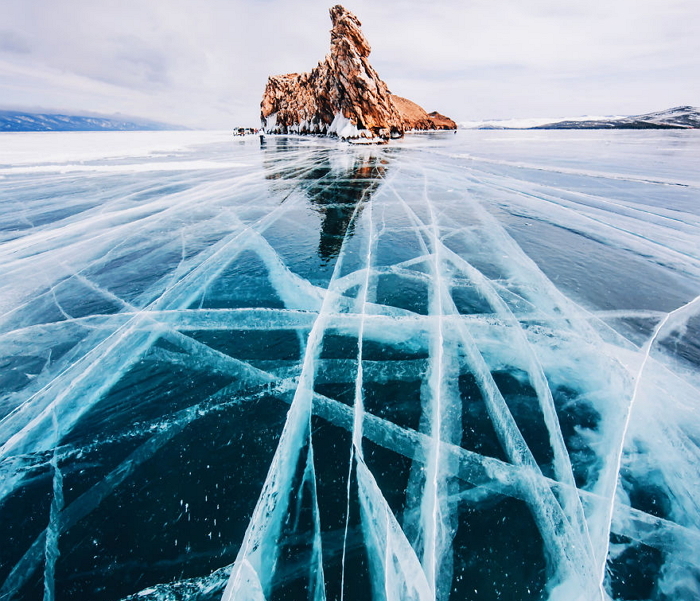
[
  {"x": 415, "y": 118},
  {"x": 343, "y": 95}
]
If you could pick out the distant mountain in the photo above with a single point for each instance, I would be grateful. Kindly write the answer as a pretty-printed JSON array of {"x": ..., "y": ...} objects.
[
  {"x": 680, "y": 117},
  {"x": 20, "y": 121}
]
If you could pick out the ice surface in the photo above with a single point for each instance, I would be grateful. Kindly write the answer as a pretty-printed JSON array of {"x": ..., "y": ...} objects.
[{"x": 456, "y": 367}]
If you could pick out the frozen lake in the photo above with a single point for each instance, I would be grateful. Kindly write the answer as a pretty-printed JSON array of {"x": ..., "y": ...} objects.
[{"x": 458, "y": 367}]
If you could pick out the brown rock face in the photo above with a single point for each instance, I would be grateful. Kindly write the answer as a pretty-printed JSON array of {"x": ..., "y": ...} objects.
[
  {"x": 343, "y": 95},
  {"x": 415, "y": 118}
]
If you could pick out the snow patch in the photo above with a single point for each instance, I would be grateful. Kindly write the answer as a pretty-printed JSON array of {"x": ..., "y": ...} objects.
[{"x": 341, "y": 127}]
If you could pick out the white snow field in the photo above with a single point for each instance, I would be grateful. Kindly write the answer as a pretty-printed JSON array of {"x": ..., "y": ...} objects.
[{"x": 458, "y": 367}]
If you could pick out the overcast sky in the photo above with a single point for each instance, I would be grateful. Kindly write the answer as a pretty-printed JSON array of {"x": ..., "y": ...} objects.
[{"x": 204, "y": 63}]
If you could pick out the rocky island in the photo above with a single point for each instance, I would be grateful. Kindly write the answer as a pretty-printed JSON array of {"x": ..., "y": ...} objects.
[{"x": 343, "y": 96}]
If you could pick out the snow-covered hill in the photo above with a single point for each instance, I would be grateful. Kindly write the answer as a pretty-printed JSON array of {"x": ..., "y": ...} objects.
[
  {"x": 684, "y": 116},
  {"x": 680, "y": 117},
  {"x": 525, "y": 123},
  {"x": 21, "y": 121}
]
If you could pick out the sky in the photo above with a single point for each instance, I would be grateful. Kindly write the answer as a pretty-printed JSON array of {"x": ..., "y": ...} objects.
[{"x": 204, "y": 63}]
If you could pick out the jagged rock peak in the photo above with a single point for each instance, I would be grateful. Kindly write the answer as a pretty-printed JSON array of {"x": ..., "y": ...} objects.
[
  {"x": 346, "y": 29},
  {"x": 343, "y": 95}
]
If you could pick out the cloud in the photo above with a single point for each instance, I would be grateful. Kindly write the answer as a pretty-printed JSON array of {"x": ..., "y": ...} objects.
[
  {"x": 205, "y": 62},
  {"x": 13, "y": 42},
  {"x": 138, "y": 64}
]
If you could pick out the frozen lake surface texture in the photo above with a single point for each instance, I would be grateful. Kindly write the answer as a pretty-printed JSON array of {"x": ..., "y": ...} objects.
[{"x": 456, "y": 367}]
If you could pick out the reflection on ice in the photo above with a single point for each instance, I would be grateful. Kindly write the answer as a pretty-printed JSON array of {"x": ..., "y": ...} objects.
[
  {"x": 336, "y": 185},
  {"x": 459, "y": 367}
]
